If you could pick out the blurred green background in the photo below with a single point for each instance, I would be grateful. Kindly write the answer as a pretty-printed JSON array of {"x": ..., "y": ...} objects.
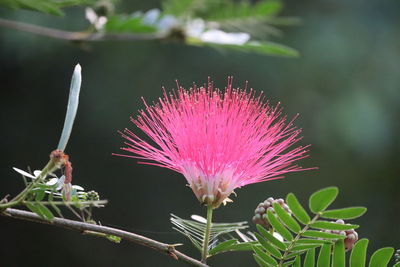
[{"x": 345, "y": 85}]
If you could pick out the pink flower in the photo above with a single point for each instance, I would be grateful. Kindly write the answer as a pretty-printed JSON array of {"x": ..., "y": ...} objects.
[{"x": 219, "y": 140}]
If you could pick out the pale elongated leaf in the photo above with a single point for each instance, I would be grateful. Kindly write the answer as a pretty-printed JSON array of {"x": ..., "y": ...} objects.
[{"x": 72, "y": 107}]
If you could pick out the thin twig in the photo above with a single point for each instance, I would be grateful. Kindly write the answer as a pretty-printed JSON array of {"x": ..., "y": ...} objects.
[
  {"x": 82, "y": 226},
  {"x": 96, "y": 203},
  {"x": 78, "y": 36}
]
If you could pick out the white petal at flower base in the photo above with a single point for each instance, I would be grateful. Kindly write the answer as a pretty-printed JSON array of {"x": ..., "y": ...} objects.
[
  {"x": 199, "y": 218},
  {"x": 195, "y": 28},
  {"x": 91, "y": 15},
  {"x": 278, "y": 236},
  {"x": 96, "y": 21},
  {"x": 221, "y": 37},
  {"x": 52, "y": 181},
  {"x": 24, "y": 173},
  {"x": 151, "y": 16},
  {"x": 78, "y": 187},
  {"x": 37, "y": 173}
]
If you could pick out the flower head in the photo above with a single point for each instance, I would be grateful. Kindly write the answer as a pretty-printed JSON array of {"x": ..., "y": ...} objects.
[{"x": 219, "y": 140}]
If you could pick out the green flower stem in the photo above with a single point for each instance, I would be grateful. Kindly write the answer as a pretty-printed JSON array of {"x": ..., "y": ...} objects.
[
  {"x": 293, "y": 242},
  {"x": 207, "y": 234},
  {"x": 50, "y": 167}
]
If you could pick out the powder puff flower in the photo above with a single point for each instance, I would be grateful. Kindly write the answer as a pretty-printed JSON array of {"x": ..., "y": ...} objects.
[{"x": 219, "y": 140}]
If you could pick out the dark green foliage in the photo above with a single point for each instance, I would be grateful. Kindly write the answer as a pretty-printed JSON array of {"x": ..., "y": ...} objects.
[
  {"x": 120, "y": 24},
  {"x": 45, "y": 6},
  {"x": 257, "y": 19},
  {"x": 268, "y": 48},
  {"x": 218, "y": 10},
  {"x": 314, "y": 237}
]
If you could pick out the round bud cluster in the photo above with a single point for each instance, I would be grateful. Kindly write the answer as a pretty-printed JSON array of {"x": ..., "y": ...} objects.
[
  {"x": 92, "y": 196},
  {"x": 397, "y": 256},
  {"x": 351, "y": 235},
  {"x": 260, "y": 216}
]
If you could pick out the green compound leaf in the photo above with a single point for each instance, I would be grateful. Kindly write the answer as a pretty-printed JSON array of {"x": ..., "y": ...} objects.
[
  {"x": 271, "y": 238},
  {"x": 264, "y": 256},
  {"x": 288, "y": 263},
  {"x": 346, "y": 213},
  {"x": 309, "y": 261},
  {"x": 114, "y": 238},
  {"x": 381, "y": 257},
  {"x": 359, "y": 253},
  {"x": 265, "y": 48},
  {"x": 296, "y": 208},
  {"x": 333, "y": 226},
  {"x": 321, "y": 199},
  {"x": 46, "y": 213},
  {"x": 397, "y": 265},
  {"x": 324, "y": 257},
  {"x": 313, "y": 241},
  {"x": 128, "y": 24},
  {"x": 278, "y": 226},
  {"x": 267, "y": 245},
  {"x": 338, "y": 257},
  {"x": 312, "y": 233},
  {"x": 33, "y": 208},
  {"x": 39, "y": 194},
  {"x": 246, "y": 246},
  {"x": 224, "y": 246},
  {"x": 260, "y": 261},
  {"x": 40, "y": 210},
  {"x": 286, "y": 218},
  {"x": 297, "y": 262},
  {"x": 304, "y": 247}
]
